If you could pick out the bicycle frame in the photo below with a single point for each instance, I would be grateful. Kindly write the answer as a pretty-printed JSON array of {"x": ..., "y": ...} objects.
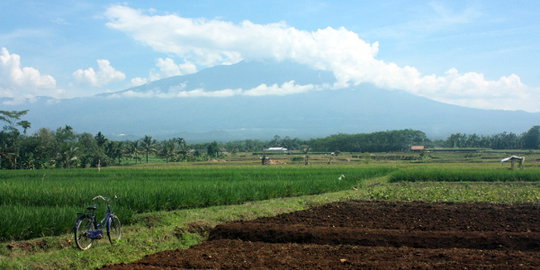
[
  {"x": 96, "y": 228},
  {"x": 105, "y": 221}
]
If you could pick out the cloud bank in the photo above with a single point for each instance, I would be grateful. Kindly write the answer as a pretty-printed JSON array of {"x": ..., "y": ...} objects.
[
  {"x": 166, "y": 68},
  {"x": 105, "y": 74},
  {"x": 23, "y": 83},
  {"x": 352, "y": 60},
  {"x": 286, "y": 88}
]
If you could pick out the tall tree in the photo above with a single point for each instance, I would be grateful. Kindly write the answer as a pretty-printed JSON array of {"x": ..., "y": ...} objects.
[
  {"x": 91, "y": 154},
  {"x": 132, "y": 150},
  {"x": 173, "y": 150},
  {"x": 9, "y": 149},
  {"x": 113, "y": 150},
  {"x": 65, "y": 134},
  {"x": 531, "y": 139},
  {"x": 10, "y": 139},
  {"x": 25, "y": 125},
  {"x": 148, "y": 145},
  {"x": 68, "y": 156},
  {"x": 100, "y": 139},
  {"x": 212, "y": 149},
  {"x": 11, "y": 117}
]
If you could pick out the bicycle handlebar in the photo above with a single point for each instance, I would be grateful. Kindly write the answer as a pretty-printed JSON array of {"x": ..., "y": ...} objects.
[{"x": 103, "y": 198}]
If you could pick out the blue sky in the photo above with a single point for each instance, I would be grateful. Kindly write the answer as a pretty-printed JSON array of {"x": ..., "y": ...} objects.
[{"x": 481, "y": 54}]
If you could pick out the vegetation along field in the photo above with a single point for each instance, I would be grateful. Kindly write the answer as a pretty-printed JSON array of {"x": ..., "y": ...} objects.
[
  {"x": 163, "y": 205},
  {"x": 172, "y": 194},
  {"x": 44, "y": 202}
]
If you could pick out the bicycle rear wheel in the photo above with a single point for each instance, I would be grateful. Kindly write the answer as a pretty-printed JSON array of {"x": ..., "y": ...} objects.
[
  {"x": 114, "y": 232},
  {"x": 82, "y": 225}
]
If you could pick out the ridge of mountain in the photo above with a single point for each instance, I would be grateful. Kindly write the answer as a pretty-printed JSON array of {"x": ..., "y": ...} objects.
[
  {"x": 357, "y": 109},
  {"x": 243, "y": 75}
]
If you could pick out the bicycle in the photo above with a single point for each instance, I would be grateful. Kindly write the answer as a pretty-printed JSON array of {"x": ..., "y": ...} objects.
[{"x": 87, "y": 229}]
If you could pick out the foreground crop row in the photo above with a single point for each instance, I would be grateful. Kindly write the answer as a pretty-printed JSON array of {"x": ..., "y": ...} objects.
[
  {"x": 45, "y": 202},
  {"x": 471, "y": 175}
]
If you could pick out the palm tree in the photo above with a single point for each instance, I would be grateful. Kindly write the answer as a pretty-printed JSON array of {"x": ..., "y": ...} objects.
[
  {"x": 131, "y": 150},
  {"x": 182, "y": 147},
  {"x": 68, "y": 156},
  {"x": 148, "y": 145},
  {"x": 25, "y": 125},
  {"x": 113, "y": 150},
  {"x": 168, "y": 150},
  {"x": 174, "y": 149},
  {"x": 10, "y": 117}
]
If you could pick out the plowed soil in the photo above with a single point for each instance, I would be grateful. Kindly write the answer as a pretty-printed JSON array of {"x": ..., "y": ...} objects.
[{"x": 369, "y": 235}]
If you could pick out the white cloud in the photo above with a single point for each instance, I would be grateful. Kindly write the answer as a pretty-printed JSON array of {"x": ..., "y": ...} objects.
[
  {"x": 166, "y": 67},
  {"x": 23, "y": 83},
  {"x": 178, "y": 94},
  {"x": 286, "y": 88},
  {"x": 138, "y": 81},
  {"x": 352, "y": 60},
  {"x": 279, "y": 90},
  {"x": 105, "y": 74}
]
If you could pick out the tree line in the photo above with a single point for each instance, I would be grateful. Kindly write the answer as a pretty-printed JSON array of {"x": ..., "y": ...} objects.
[
  {"x": 526, "y": 140},
  {"x": 64, "y": 148},
  {"x": 383, "y": 141}
]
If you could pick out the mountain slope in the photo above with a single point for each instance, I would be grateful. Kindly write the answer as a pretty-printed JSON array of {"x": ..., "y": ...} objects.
[
  {"x": 363, "y": 108},
  {"x": 244, "y": 75}
]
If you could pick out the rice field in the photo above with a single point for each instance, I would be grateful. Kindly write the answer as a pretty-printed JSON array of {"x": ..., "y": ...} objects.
[
  {"x": 36, "y": 203},
  {"x": 492, "y": 192},
  {"x": 465, "y": 174},
  {"x": 461, "y": 183}
]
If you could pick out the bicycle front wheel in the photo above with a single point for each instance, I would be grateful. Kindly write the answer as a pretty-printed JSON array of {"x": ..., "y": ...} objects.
[
  {"x": 82, "y": 226},
  {"x": 114, "y": 232}
]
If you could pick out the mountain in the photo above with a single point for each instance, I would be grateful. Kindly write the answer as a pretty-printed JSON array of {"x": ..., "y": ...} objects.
[
  {"x": 244, "y": 75},
  {"x": 363, "y": 108}
]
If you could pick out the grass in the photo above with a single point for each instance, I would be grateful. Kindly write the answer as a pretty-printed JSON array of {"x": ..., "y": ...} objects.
[
  {"x": 49, "y": 207},
  {"x": 502, "y": 192},
  {"x": 150, "y": 233},
  {"x": 162, "y": 201},
  {"x": 465, "y": 174},
  {"x": 163, "y": 230}
]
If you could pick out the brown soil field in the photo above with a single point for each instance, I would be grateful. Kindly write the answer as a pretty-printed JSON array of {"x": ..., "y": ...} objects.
[{"x": 369, "y": 235}]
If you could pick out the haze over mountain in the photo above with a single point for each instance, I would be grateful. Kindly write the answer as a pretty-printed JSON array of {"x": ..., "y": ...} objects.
[{"x": 257, "y": 100}]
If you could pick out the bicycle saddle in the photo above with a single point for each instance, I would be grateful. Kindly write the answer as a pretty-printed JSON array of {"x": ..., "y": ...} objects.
[{"x": 93, "y": 207}]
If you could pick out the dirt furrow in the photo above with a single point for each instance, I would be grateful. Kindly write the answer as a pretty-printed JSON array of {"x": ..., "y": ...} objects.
[{"x": 369, "y": 235}]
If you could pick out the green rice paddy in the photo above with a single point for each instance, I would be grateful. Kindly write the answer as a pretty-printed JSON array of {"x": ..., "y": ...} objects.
[
  {"x": 465, "y": 174},
  {"x": 36, "y": 203}
]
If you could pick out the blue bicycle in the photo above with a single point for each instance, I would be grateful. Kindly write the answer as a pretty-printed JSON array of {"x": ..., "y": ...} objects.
[{"x": 87, "y": 229}]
